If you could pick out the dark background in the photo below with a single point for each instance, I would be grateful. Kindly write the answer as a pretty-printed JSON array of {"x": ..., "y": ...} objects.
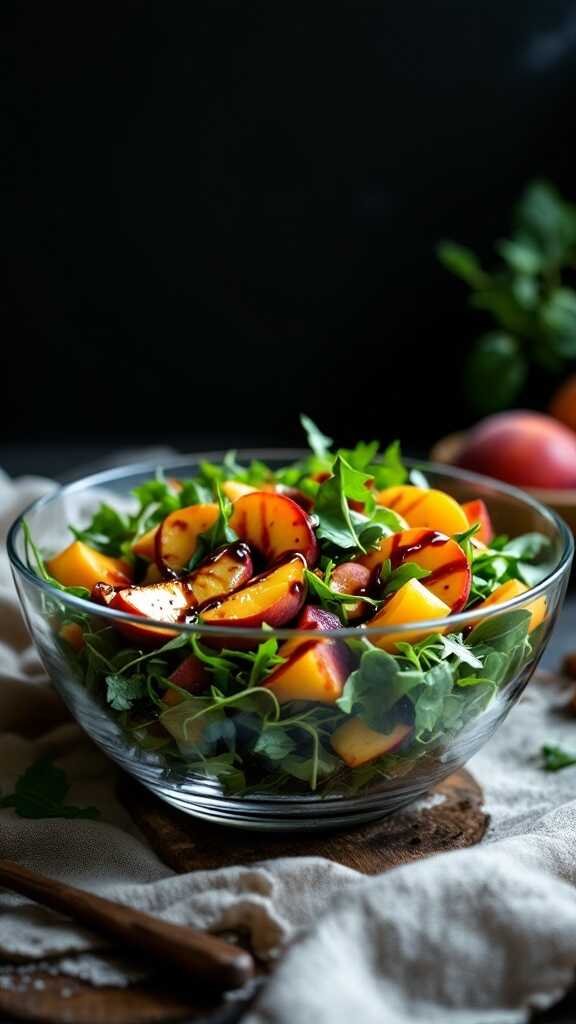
[{"x": 228, "y": 216}]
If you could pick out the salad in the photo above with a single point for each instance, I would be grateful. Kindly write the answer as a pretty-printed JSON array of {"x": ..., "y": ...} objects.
[{"x": 339, "y": 538}]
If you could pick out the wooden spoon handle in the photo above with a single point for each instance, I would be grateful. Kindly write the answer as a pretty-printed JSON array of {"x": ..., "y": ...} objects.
[{"x": 206, "y": 957}]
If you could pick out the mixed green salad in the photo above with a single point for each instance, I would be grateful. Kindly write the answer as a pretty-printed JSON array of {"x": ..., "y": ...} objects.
[{"x": 340, "y": 538}]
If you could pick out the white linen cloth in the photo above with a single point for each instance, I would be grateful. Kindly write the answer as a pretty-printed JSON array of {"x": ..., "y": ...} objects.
[{"x": 471, "y": 937}]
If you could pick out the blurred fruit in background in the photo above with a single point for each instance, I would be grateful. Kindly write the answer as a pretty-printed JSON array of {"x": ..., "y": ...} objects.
[
  {"x": 524, "y": 448},
  {"x": 563, "y": 404},
  {"x": 530, "y": 298}
]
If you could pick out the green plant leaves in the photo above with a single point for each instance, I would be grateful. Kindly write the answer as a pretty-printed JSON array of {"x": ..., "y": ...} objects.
[
  {"x": 495, "y": 372},
  {"x": 40, "y": 793}
]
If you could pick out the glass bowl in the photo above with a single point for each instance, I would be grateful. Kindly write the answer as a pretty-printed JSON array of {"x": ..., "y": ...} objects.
[{"x": 348, "y": 795}]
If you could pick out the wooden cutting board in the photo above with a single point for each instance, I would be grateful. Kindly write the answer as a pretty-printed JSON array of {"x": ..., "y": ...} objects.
[{"x": 453, "y": 819}]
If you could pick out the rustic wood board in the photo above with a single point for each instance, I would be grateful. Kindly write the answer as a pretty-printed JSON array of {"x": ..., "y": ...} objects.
[{"x": 454, "y": 820}]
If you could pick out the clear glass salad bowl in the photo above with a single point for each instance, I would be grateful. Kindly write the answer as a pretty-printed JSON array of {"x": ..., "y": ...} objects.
[{"x": 459, "y": 709}]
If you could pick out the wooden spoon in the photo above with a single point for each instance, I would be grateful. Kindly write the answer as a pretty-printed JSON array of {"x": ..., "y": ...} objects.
[{"x": 212, "y": 960}]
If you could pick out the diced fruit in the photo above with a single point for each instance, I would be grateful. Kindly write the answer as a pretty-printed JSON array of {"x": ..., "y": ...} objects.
[
  {"x": 73, "y": 634},
  {"x": 190, "y": 675},
  {"x": 411, "y": 603},
  {"x": 356, "y": 743},
  {"x": 145, "y": 546},
  {"x": 313, "y": 617},
  {"x": 507, "y": 592},
  {"x": 316, "y": 670},
  {"x": 228, "y": 569},
  {"x": 274, "y": 525},
  {"x": 476, "y": 512},
  {"x": 450, "y": 576},
  {"x": 275, "y": 597},
  {"x": 81, "y": 566},
  {"x": 421, "y": 506},
  {"x": 352, "y": 578},
  {"x": 178, "y": 535},
  {"x": 525, "y": 448},
  {"x": 233, "y": 489}
]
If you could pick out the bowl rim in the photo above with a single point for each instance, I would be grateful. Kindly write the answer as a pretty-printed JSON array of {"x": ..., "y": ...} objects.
[{"x": 463, "y": 619}]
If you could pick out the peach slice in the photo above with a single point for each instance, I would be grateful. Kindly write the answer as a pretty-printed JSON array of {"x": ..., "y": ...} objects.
[
  {"x": 450, "y": 575},
  {"x": 190, "y": 675},
  {"x": 82, "y": 566},
  {"x": 275, "y": 597},
  {"x": 234, "y": 489},
  {"x": 169, "y": 601},
  {"x": 178, "y": 534},
  {"x": 476, "y": 512},
  {"x": 356, "y": 743},
  {"x": 411, "y": 603},
  {"x": 421, "y": 506},
  {"x": 313, "y": 617},
  {"x": 352, "y": 578},
  {"x": 145, "y": 546},
  {"x": 316, "y": 670},
  {"x": 511, "y": 589},
  {"x": 275, "y": 525}
]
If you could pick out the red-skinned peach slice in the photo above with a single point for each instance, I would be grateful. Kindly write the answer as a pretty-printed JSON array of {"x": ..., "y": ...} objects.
[
  {"x": 169, "y": 601},
  {"x": 352, "y": 578},
  {"x": 357, "y": 744},
  {"x": 421, "y": 506},
  {"x": 316, "y": 671},
  {"x": 275, "y": 597},
  {"x": 274, "y": 525},
  {"x": 313, "y": 617},
  {"x": 450, "y": 575},
  {"x": 82, "y": 566},
  {"x": 191, "y": 675},
  {"x": 228, "y": 569},
  {"x": 476, "y": 512},
  {"x": 411, "y": 603},
  {"x": 178, "y": 535}
]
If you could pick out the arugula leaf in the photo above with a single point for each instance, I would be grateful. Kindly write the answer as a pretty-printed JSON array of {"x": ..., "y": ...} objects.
[
  {"x": 40, "y": 793},
  {"x": 275, "y": 744},
  {"x": 362, "y": 455},
  {"x": 318, "y": 442},
  {"x": 394, "y": 579},
  {"x": 501, "y": 632},
  {"x": 453, "y": 647},
  {"x": 220, "y": 532},
  {"x": 265, "y": 660},
  {"x": 555, "y": 758},
  {"x": 438, "y": 682},
  {"x": 106, "y": 531},
  {"x": 389, "y": 470},
  {"x": 375, "y": 686},
  {"x": 332, "y": 509},
  {"x": 329, "y": 599},
  {"x": 123, "y": 691}
]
